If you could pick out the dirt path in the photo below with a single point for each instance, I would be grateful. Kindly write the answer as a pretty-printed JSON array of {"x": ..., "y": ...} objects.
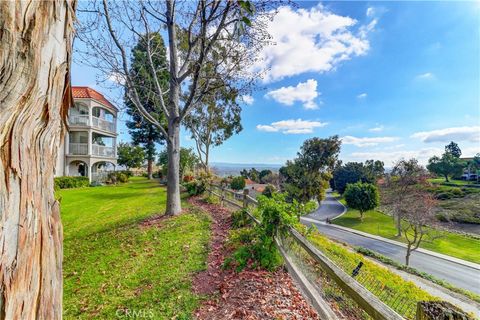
[{"x": 250, "y": 294}]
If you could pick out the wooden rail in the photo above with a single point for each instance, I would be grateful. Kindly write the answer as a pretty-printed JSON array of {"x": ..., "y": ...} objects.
[{"x": 366, "y": 300}]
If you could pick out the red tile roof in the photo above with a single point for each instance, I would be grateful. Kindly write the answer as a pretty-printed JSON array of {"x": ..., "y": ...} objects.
[{"x": 89, "y": 93}]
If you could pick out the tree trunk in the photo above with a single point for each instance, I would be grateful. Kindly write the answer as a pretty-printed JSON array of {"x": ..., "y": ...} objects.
[
  {"x": 35, "y": 55},
  {"x": 149, "y": 168},
  {"x": 446, "y": 178},
  {"x": 173, "y": 177},
  {"x": 409, "y": 252},
  {"x": 398, "y": 224}
]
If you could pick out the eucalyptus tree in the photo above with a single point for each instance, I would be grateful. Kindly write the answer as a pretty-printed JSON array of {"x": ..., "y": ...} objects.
[
  {"x": 35, "y": 94},
  {"x": 204, "y": 38}
]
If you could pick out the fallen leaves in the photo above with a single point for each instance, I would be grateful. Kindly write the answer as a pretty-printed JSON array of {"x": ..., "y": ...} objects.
[{"x": 250, "y": 294}]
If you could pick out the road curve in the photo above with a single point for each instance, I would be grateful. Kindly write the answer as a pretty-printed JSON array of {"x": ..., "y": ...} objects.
[{"x": 455, "y": 273}]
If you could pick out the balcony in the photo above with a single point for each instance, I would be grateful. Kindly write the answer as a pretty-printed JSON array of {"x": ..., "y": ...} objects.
[
  {"x": 97, "y": 150},
  {"x": 97, "y": 123},
  {"x": 103, "y": 151},
  {"x": 78, "y": 148}
]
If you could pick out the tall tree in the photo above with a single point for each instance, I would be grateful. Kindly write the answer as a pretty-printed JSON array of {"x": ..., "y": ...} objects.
[
  {"x": 204, "y": 38},
  {"x": 35, "y": 53},
  {"x": 453, "y": 149},
  {"x": 351, "y": 172},
  {"x": 307, "y": 176},
  {"x": 143, "y": 132},
  {"x": 215, "y": 119}
]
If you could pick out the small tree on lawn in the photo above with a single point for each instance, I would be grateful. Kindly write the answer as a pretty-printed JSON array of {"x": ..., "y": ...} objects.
[
  {"x": 419, "y": 208},
  {"x": 447, "y": 166},
  {"x": 130, "y": 156},
  {"x": 238, "y": 183},
  {"x": 362, "y": 197}
]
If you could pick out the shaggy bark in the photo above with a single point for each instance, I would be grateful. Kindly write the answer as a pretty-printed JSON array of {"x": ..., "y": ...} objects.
[{"x": 35, "y": 52}]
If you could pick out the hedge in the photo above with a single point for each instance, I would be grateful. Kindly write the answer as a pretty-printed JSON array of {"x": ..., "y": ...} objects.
[{"x": 71, "y": 182}]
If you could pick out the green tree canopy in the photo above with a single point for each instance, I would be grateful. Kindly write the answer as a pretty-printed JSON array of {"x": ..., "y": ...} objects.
[
  {"x": 130, "y": 156},
  {"x": 362, "y": 197},
  {"x": 447, "y": 166},
  {"x": 188, "y": 161},
  {"x": 306, "y": 177},
  {"x": 237, "y": 183},
  {"x": 453, "y": 149},
  {"x": 352, "y": 172},
  {"x": 143, "y": 132}
]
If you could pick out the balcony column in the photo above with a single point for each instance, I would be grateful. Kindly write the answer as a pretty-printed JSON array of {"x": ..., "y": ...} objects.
[
  {"x": 89, "y": 142},
  {"x": 115, "y": 147},
  {"x": 90, "y": 111}
]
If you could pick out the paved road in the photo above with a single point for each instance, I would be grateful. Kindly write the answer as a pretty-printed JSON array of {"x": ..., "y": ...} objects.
[{"x": 457, "y": 274}]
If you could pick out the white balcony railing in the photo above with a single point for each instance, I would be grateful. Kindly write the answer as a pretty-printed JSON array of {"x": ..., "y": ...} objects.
[
  {"x": 81, "y": 120},
  {"x": 78, "y": 148},
  {"x": 99, "y": 123},
  {"x": 103, "y": 124},
  {"x": 103, "y": 151}
]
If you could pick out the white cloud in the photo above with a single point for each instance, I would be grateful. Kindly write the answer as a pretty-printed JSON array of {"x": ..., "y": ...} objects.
[
  {"x": 310, "y": 40},
  {"x": 377, "y": 128},
  {"x": 304, "y": 92},
  {"x": 425, "y": 76},
  {"x": 370, "y": 12},
  {"x": 292, "y": 126},
  {"x": 117, "y": 78},
  {"x": 367, "y": 141},
  {"x": 247, "y": 99},
  {"x": 362, "y": 96},
  {"x": 471, "y": 134},
  {"x": 389, "y": 157}
]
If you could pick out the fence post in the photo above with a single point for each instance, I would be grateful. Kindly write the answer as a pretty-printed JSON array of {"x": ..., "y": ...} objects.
[
  {"x": 222, "y": 202},
  {"x": 245, "y": 199}
]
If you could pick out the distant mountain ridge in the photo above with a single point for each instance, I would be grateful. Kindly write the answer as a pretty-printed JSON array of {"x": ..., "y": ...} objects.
[{"x": 227, "y": 169}]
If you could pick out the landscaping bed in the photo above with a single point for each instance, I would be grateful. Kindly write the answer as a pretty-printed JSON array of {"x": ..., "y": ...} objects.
[{"x": 249, "y": 294}]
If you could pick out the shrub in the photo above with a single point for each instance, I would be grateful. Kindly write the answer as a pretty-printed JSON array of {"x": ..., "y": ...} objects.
[
  {"x": 71, "y": 182},
  {"x": 240, "y": 219},
  {"x": 269, "y": 190},
  {"x": 116, "y": 177},
  {"x": 444, "y": 195},
  {"x": 211, "y": 200},
  {"x": 196, "y": 187},
  {"x": 188, "y": 178},
  {"x": 457, "y": 193},
  {"x": 237, "y": 183}
]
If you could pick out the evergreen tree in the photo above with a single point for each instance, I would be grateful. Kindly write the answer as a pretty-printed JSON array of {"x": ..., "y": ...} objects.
[{"x": 144, "y": 133}]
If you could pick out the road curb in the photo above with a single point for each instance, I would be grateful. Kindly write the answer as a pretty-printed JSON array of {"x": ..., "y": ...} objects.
[{"x": 425, "y": 251}]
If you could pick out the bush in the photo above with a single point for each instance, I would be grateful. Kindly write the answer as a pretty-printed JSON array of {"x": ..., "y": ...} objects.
[
  {"x": 188, "y": 178},
  {"x": 211, "y": 200},
  {"x": 116, "y": 177},
  {"x": 444, "y": 195},
  {"x": 269, "y": 190},
  {"x": 196, "y": 187},
  {"x": 237, "y": 183},
  {"x": 240, "y": 219},
  {"x": 71, "y": 182}
]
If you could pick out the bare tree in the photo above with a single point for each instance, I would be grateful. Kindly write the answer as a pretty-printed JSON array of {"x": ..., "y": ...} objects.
[
  {"x": 419, "y": 208},
  {"x": 36, "y": 40},
  {"x": 406, "y": 176},
  {"x": 203, "y": 37}
]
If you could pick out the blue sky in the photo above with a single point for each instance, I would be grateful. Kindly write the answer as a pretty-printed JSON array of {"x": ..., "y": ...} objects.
[{"x": 393, "y": 79}]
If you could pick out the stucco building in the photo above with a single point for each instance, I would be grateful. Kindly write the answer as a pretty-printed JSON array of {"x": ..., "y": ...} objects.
[{"x": 90, "y": 146}]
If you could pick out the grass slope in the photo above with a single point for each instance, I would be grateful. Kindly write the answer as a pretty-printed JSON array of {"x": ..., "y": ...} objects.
[
  {"x": 114, "y": 266},
  {"x": 380, "y": 224}
]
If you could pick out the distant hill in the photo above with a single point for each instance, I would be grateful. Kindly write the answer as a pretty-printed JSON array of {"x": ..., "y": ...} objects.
[{"x": 227, "y": 169}]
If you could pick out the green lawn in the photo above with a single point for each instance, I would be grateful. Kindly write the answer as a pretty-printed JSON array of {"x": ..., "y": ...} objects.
[
  {"x": 377, "y": 223},
  {"x": 451, "y": 181},
  {"x": 113, "y": 265}
]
